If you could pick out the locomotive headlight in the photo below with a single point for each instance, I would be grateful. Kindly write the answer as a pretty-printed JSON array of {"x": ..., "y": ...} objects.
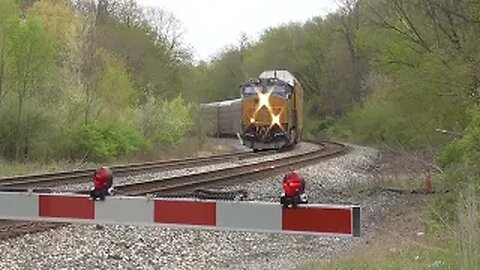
[
  {"x": 252, "y": 120},
  {"x": 264, "y": 99},
  {"x": 276, "y": 120}
]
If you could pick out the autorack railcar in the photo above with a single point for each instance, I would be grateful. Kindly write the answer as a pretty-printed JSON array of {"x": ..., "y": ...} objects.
[{"x": 221, "y": 119}]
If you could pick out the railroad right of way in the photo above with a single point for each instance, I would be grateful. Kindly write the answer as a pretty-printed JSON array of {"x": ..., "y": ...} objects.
[
  {"x": 136, "y": 247},
  {"x": 255, "y": 168}
]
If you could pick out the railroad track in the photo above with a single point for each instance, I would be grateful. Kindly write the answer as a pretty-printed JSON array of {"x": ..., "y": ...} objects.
[
  {"x": 12, "y": 228},
  {"x": 192, "y": 181},
  {"x": 80, "y": 176},
  {"x": 258, "y": 169}
]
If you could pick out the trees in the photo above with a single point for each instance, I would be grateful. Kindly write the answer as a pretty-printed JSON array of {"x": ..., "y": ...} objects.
[
  {"x": 7, "y": 13},
  {"x": 115, "y": 94},
  {"x": 408, "y": 66},
  {"x": 31, "y": 60},
  {"x": 431, "y": 81},
  {"x": 73, "y": 77},
  {"x": 385, "y": 70},
  {"x": 167, "y": 124}
]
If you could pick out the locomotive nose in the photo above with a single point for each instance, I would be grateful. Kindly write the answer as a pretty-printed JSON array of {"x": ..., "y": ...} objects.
[{"x": 263, "y": 117}]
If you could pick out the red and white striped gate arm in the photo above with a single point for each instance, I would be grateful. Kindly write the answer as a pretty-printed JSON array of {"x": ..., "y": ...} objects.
[{"x": 216, "y": 215}]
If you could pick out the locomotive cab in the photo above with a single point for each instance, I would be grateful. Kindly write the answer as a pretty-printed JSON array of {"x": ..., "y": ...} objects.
[{"x": 270, "y": 111}]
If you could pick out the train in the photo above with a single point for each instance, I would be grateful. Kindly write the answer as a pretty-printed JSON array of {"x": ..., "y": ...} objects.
[
  {"x": 222, "y": 119},
  {"x": 268, "y": 114}
]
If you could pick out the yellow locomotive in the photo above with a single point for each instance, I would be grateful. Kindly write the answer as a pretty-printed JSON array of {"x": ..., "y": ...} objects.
[{"x": 272, "y": 111}]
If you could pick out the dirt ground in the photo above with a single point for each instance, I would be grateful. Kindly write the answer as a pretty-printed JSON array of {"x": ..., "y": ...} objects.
[
  {"x": 402, "y": 229},
  {"x": 404, "y": 226}
]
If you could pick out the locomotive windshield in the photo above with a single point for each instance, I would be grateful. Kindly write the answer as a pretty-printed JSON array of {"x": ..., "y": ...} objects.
[
  {"x": 278, "y": 88},
  {"x": 248, "y": 90},
  {"x": 251, "y": 90},
  {"x": 281, "y": 90}
]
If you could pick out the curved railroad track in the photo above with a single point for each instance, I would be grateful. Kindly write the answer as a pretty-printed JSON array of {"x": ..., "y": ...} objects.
[
  {"x": 80, "y": 176},
  {"x": 257, "y": 169},
  {"x": 184, "y": 183},
  {"x": 12, "y": 228}
]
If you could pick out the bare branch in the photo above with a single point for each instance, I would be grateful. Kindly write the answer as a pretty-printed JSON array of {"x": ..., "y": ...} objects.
[
  {"x": 403, "y": 16},
  {"x": 384, "y": 23}
]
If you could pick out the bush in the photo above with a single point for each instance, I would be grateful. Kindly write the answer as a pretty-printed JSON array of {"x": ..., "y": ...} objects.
[
  {"x": 38, "y": 133},
  {"x": 164, "y": 124},
  {"x": 376, "y": 121},
  {"x": 100, "y": 142},
  {"x": 467, "y": 149},
  {"x": 318, "y": 126}
]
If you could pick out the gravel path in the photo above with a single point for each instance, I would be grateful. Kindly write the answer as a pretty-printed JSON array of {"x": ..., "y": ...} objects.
[{"x": 128, "y": 247}]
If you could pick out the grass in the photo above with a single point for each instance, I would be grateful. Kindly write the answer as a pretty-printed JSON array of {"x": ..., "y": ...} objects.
[
  {"x": 412, "y": 258},
  {"x": 446, "y": 246},
  {"x": 401, "y": 183},
  {"x": 189, "y": 148},
  {"x": 457, "y": 252},
  {"x": 12, "y": 168}
]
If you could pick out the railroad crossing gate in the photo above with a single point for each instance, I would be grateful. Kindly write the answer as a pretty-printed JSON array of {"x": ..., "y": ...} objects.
[{"x": 316, "y": 219}]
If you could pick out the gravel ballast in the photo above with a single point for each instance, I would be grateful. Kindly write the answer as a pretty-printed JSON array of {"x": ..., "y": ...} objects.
[
  {"x": 302, "y": 148},
  {"x": 129, "y": 247}
]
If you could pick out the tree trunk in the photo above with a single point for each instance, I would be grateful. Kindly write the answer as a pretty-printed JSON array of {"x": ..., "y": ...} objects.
[
  {"x": 2, "y": 66},
  {"x": 19, "y": 125},
  {"x": 25, "y": 149},
  {"x": 87, "y": 106}
]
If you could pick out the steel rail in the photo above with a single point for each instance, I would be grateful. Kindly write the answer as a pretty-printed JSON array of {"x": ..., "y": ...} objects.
[
  {"x": 181, "y": 183},
  {"x": 211, "y": 177},
  {"x": 79, "y": 176}
]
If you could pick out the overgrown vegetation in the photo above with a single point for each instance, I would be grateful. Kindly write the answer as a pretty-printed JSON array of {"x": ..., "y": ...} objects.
[
  {"x": 453, "y": 225},
  {"x": 90, "y": 80}
]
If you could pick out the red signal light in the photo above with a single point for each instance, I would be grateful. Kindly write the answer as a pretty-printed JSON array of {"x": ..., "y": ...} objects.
[
  {"x": 294, "y": 190},
  {"x": 102, "y": 178},
  {"x": 292, "y": 187},
  {"x": 102, "y": 183}
]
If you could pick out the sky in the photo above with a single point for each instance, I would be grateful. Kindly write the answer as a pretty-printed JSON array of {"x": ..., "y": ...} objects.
[{"x": 210, "y": 25}]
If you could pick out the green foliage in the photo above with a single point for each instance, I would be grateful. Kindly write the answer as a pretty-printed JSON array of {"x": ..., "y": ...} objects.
[
  {"x": 57, "y": 17},
  {"x": 165, "y": 123},
  {"x": 415, "y": 101},
  {"x": 102, "y": 141},
  {"x": 415, "y": 258},
  {"x": 74, "y": 80},
  {"x": 372, "y": 72},
  {"x": 460, "y": 162},
  {"x": 315, "y": 127},
  {"x": 157, "y": 61},
  {"x": 28, "y": 66},
  {"x": 467, "y": 149},
  {"x": 379, "y": 121},
  {"x": 115, "y": 91},
  {"x": 451, "y": 153},
  {"x": 8, "y": 130},
  {"x": 43, "y": 140},
  {"x": 31, "y": 55},
  {"x": 9, "y": 10}
]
